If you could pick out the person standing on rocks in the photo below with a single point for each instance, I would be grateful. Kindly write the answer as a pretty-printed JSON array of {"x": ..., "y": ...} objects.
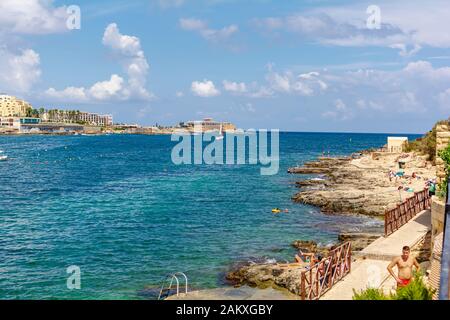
[{"x": 405, "y": 264}]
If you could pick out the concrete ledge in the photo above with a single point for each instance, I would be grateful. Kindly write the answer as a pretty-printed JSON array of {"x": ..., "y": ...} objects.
[{"x": 408, "y": 235}]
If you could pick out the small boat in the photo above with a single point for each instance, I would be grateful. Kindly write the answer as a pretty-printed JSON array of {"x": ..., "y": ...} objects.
[
  {"x": 3, "y": 158},
  {"x": 220, "y": 137}
]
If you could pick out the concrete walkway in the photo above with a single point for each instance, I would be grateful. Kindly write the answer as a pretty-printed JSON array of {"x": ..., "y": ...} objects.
[
  {"x": 242, "y": 293},
  {"x": 369, "y": 270}
]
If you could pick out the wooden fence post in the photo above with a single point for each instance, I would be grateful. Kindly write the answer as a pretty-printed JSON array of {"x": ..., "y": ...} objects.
[{"x": 303, "y": 286}]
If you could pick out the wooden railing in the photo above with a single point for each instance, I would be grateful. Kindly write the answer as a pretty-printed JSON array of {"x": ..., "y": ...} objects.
[
  {"x": 324, "y": 275},
  {"x": 405, "y": 211}
]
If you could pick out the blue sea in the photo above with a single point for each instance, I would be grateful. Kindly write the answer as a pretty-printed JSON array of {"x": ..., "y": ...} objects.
[{"x": 119, "y": 209}]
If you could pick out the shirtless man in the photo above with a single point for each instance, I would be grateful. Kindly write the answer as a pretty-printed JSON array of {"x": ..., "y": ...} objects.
[{"x": 405, "y": 265}]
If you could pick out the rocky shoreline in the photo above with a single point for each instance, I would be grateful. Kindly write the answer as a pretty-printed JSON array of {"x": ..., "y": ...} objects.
[
  {"x": 361, "y": 185},
  {"x": 345, "y": 185},
  {"x": 283, "y": 276}
]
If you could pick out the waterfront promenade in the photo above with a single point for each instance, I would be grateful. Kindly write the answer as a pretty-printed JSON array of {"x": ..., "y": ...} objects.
[
  {"x": 370, "y": 267},
  {"x": 242, "y": 293}
]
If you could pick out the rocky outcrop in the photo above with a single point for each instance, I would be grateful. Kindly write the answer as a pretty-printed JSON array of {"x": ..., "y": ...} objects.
[
  {"x": 263, "y": 275},
  {"x": 310, "y": 183},
  {"x": 267, "y": 275},
  {"x": 352, "y": 185},
  {"x": 309, "y": 170},
  {"x": 324, "y": 166},
  {"x": 362, "y": 185},
  {"x": 310, "y": 246},
  {"x": 359, "y": 240}
]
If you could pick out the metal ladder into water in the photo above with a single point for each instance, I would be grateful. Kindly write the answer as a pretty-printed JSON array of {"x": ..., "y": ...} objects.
[{"x": 169, "y": 279}]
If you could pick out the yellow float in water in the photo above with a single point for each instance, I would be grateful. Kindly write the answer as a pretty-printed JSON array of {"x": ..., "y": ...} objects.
[{"x": 276, "y": 210}]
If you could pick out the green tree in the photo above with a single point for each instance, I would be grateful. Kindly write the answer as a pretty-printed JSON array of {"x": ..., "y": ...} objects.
[{"x": 445, "y": 156}]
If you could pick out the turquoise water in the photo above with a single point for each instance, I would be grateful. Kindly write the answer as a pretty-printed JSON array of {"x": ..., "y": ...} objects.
[{"x": 119, "y": 209}]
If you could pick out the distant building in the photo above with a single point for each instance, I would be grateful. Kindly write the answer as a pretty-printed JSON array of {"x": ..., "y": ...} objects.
[
  {"x": 208, "y": 124},
  {"x": 13, "y": 107},
  {"x": 102, "y": 120},
  {"x": 396, "y": 144},
  {"x": 34, "y": 125},
  {"x": 72, "y": 116},
  {"x": 51, "y": 128},
  {"x": 17, "y": 122}
]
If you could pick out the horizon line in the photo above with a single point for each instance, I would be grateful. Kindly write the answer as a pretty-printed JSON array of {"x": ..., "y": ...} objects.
[{"x": 405, "y": 133}]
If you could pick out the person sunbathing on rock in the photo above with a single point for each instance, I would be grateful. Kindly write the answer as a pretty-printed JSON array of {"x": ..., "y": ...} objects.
[{"x": 303, "y": 258}]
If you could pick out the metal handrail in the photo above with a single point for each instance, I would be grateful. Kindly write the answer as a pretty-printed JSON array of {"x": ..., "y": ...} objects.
[
  {"x": 185, "y": 281},
  {"x": 173, "y": 277},
  {"x": 163, "y": 282},
  {"x": 445, "y": 258}
]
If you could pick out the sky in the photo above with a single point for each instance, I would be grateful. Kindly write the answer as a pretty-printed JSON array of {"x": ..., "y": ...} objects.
[{"x": 313, "y": 65}]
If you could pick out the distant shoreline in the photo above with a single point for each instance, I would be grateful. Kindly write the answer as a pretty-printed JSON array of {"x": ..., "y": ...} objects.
[{"x": 169, "y": 133}]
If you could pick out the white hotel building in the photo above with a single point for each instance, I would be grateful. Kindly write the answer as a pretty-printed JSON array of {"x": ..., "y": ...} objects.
[{"x": 96, "y": 119}]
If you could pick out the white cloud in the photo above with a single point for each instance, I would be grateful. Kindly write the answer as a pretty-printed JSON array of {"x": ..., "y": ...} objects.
[
  {"x": 325, "y": 28},
  {"x": 129, "y": 53},
  {"x": 423, "y": 21},
  {"x": 105, "y": 90},
  {"x": 369, "y": 105},
  {"x": 261, "y": 92},
  {"x": 205, "y": 88},
  {"x": 408, "y": 102},
  {"x": 404, "y": 49},
  {"x": 288, "y": 82},
  {"x": 306, "y": 84},
  {"x": 102, "y": 90},
  {"x": 415, "y": 76},
  {"x": 213, "y": 35},
  {"x": 20, "y": 68},
  {"x": 129, "y": 46},
  {"x": 280, "y": 82},
  {"x": 339, "y": 112},
  {"x": 179, "y": 94},
  {"x": 404, "y": 24},
  {"x": 70, "y": 93},
  {"x": 32, "y": 17},
  {"x": 444, "y": 100},
  {"x": 19, "y": 71},
  {"x": 132, "y": 57},
  {"x": 416, "y": 88},
  {"x": 193, "y": 24},
  {"x": 234, "y": 87},
  {"x": 249, "y": 107}
]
